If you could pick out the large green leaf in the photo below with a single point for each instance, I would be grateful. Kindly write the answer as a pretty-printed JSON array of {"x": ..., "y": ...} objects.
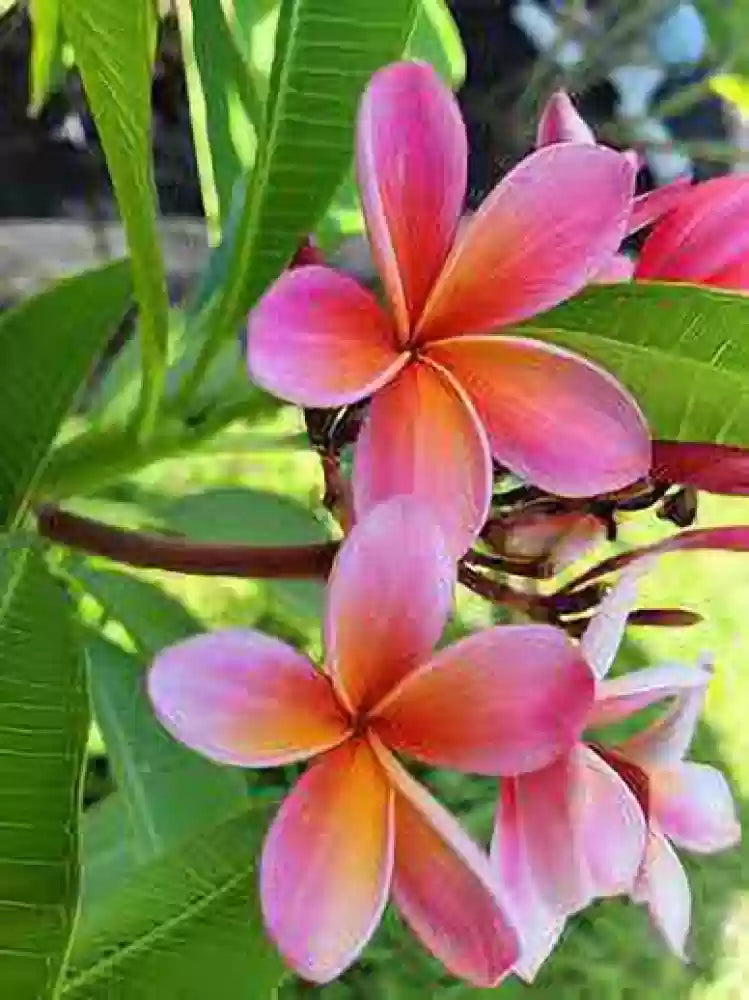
[
  {"x": 682, "y": 350},
  {"x": 436, "y": 39},
  {"x": 45, "y": 60},
  {"x": 253, "y": 517},
  {"x": 187, "y": 926},
  {"x": 168, "y": 791},
  {"x": 225, "y": 110},
  {"x": 113, "y": 45},
  {"x": 47, "y": 347},
  {"x": 43, "y": 731},
  {"x": 325, "y": 53}
]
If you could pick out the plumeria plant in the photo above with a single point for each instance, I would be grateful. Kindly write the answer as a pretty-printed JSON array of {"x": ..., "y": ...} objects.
[{"x": 224, "y": 804}]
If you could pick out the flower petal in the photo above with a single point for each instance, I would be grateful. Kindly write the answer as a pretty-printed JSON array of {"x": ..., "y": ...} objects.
[
  {"x": 616, "y": 269},
  {"x": 716, "y": 468},
  {"x": 601, "y": 639},
  {"x": 537, "y": 239},
  {"x": 649, "y": 207},
  {"x": 560, "y": 121},
  {"x": 704, "y": 238},
  {"x": 663, "y": 885},
  {"x": 388, "y": 598},
  {"x": 327, "y": 862},
  {"x": 240, "y": 697},
  {"x": 623, "y": 696},
  {"x": 317, "y": 338},
  {"x": 553, "y": 417},
  {"x": 443, "y": 885},
  {"x": 411, "y": 154},
  {"x": 694, "y": 807},
  {"x": 502, "y": 701},
  {"x": 423, "y": 438}
]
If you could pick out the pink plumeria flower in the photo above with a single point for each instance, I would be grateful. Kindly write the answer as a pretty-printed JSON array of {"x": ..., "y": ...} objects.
[
  {"x": 560, "y": 122},
  {"x": 447, "y": 391},
  {"x": 357, "y": 828},
  {"x": 599, "y": 820},
  {"x": 703, "y": 239}
]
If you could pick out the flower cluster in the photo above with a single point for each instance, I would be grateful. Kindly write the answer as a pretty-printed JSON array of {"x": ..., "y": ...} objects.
[{"x": 452, "y": 397}]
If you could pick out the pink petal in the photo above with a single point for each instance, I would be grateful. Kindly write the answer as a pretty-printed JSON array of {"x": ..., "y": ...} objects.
[
  {"x": 536, "y": 240},
  {"x": 694, "y": 807},
  {"x": 649, "y": 207},
  {"x": 552, "y": 417},
  {"x": 716, "y": 468},
  {"x": 704, "y": 238},
  {"x": 327, "y": 862},
  {"x": 422, "y": 438},
  {"x": 560, "y": 121},
  {"x": 666, "y": 740},
  {"x": 502, "y": 701},
  {"x": 240, "y": 697},
  {"x": 618, "y": 268},
  {"x": 601, "y": 640},
  {"x": 663, "y": 885},
  {"x": 625, "y": 695},
  {"x": 443, "y": 886},
  {"x": 388, "y": 598},
  {"x": 317, "y": 338},
  {"x": 411, "y": 155}
]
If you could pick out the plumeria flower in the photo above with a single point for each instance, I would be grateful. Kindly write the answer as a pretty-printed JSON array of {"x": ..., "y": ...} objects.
[
  {"x": 357, "y": 828},
  {"x": 600, "y": 820},
  {"x": 714, "y": 468},
  {"x": 447, "y": 391}
]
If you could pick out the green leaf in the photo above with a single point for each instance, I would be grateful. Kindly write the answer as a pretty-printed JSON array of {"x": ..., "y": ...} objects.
[
  {"x": 47, "y": 347},
  {"x": 46, "y": 46},
  {"x": 169, "y": 792},
  {"x": 43, "y": 731},
  {"x": 187, "y": 926},
  {"x": 436, "y": 39},
  {"x": 681, "y": 349},
  {"x": 253, "y": 517},
  {"x": 325, "y": 53},
  {"x": 113, "y": 45},
  {"x": 225, "y": 110}
]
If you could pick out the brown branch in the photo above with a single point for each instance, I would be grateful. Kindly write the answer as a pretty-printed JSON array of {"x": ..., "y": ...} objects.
[{"x": 178, "y": 555}]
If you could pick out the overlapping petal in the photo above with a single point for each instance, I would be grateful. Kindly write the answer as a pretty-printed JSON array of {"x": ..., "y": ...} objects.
[
  {"x": 327, "y": 862},
  {"x": 694, "y": 807},
  {"x": 663, "y": 886},
  {"x": 443, "y": 886},
  {"x": 623, "y": 696},
  {"x": 240, "y": 697},
  {"x": 618, "y": 268},
  {"x": 317, "y": 338},
  {"x": 412, "y": 153},
  {"x": 560, "y": 121},
  {"x": 648, "y": 208},
  {"x": 536, "y": 240},
  {"x": 422, "y": 437},
  {"x": 703, "y": 238},
  {"x": 666, "y": 740},
  {"x": 502, "y": 701},
  {"x": 601, "y": 640},
  {"x": 552, "y": 417},
  {"x": 388, "y": 598},
  {"x": 715, "y": 468}
]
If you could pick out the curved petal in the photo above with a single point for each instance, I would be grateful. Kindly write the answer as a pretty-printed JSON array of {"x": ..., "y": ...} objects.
[
  {"x": 619, "y": 698},
  {"x": 552, "y": 417},
  {"x": 411, "y": 157},
  {"x": 618, "y": 268},
  {"x": 443, "y": 886},
  {"x": 422, "y": 437},
  {"x": 601, "y": 639},
  {"x": 317, "y": 338},
  {"x": 388, "y": 598},
  {"x": 240, "y": 697},
  {"x": 716, "y": 468},
  {"x": 537, "y": 239},
  {"x": 560, "y": 121},
  {"x": 649, "y": 207},
  {"x": 663, "y": 886},
  {"x": 694, "y": 807},
  {"x": 704, "y": 238},
  {"x": 502, "y": 701},
  {"x": 666, "y": 740},
  {"x": 327, "y": 862}
]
